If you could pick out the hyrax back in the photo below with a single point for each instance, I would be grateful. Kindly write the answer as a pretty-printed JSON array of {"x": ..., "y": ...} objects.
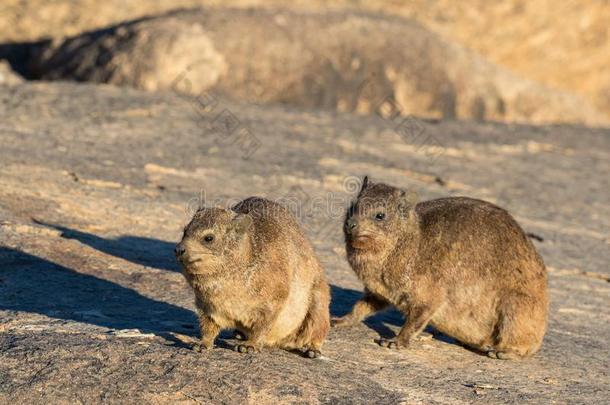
[
  {"x": 252, "y": 269},
  {"x": 462, "y": 265}
]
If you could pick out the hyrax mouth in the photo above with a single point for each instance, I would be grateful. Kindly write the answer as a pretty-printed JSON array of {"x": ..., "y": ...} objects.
[
  {"x": 360, "y": 241},
  {"x": 187, "y": 260},
  {"x": 192, "y": 261}
]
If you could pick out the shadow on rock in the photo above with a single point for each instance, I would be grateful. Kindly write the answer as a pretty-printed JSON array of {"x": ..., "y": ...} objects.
[
  {"x": 159, "y": 254},
  {"x": 136, "y": 249},
  {"x": 32, "y": 284},
  {"x": 343, "y": 300}
]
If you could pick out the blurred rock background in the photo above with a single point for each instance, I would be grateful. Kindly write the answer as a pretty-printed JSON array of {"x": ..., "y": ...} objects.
[{"x": 538, "y": 62}]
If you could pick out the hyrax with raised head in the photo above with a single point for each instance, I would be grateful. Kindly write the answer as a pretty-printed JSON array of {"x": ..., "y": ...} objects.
[
  {"x": 462, "y": 265},
  {"x": 253, "y": 270}
]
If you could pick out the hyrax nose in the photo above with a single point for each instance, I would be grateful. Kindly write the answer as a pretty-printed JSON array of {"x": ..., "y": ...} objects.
[
  {"x": 179, "y": 249},
  {"x": 351, "y": 224}
]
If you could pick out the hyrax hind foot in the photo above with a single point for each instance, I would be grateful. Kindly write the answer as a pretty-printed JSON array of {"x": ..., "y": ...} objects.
[
  {"x": 245, "y": 348},
  {"x": 398, "y": 343},
  {"x": 391, "y": 343}
]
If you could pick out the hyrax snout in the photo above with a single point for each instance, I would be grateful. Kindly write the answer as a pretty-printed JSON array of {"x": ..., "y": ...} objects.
[
  {"x": 253, "y": 270},
  {"x": 462, "y": 265}
]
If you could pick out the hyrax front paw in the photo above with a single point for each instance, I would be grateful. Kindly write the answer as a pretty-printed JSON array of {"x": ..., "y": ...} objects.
[
  {"x": 312, "y": 353},
  {"x": 202, "y": 347},
  {"x": 391, "y": 343}
]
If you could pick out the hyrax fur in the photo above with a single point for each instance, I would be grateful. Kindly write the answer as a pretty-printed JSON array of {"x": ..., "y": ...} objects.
[
  {"x": 462, "y": 265},
  {"x": 253, "y": 270}
]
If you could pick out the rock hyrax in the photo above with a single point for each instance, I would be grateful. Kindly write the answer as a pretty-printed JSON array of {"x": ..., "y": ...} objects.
[
  {"x": 253, "y": 270},
  {"x": 462, "y": 265}
]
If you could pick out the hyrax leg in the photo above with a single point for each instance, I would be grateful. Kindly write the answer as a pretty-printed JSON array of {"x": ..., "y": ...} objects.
[
  {"x": 367, "y": 305},
  {"x": 316, "y": 324},
  {"x": 418, "y": 317},
  {"x": 259, "y": 330},
  {"x": 520, "y": 329},
  {"x": 208, "y": 330}
]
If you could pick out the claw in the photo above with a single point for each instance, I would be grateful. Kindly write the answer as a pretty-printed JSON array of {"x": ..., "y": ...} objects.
[
  {"x": 244, "y": 349},
  {"x": 200, "y": 348},
  {"x": 312, "y": 353},
  {"x": 502, "y": 355},
  {"x": 389, "y": 343}
]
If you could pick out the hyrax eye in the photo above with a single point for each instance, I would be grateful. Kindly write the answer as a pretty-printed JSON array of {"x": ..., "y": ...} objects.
[
  {"x": 380, "y": 216},
  {"x": 208, "y": 238}
]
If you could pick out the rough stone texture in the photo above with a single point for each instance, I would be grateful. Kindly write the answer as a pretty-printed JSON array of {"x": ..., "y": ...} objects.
[
  {"x": 348, "y": 61},
  {"x": 96, "y": 183}
]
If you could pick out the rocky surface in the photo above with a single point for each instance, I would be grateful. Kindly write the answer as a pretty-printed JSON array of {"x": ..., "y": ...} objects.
[
  {"x": 345, "y": 61},
  {"x": 96, "y": 183}
]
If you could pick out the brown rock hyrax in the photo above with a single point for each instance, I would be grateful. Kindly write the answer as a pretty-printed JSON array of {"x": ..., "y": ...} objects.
[
  {"x": 462, "y": 265},
  {"x": 253, "y": 270}
]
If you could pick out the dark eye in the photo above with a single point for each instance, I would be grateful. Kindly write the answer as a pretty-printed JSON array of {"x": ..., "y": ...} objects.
[
  {"x": 208, "y": 238},
  {"x": 380, "y": 216}
]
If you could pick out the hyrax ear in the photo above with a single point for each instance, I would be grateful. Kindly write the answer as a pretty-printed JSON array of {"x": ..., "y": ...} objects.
[
  {"x": 365, "y": 184},
  {"x": 241, "y": 223},
  {"x": 407, "y": 200}
]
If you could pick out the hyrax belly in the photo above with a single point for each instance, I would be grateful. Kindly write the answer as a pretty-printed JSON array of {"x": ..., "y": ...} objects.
[
  {"x": 471, "y": 326},
  {"x": 293, "y": 311}
]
